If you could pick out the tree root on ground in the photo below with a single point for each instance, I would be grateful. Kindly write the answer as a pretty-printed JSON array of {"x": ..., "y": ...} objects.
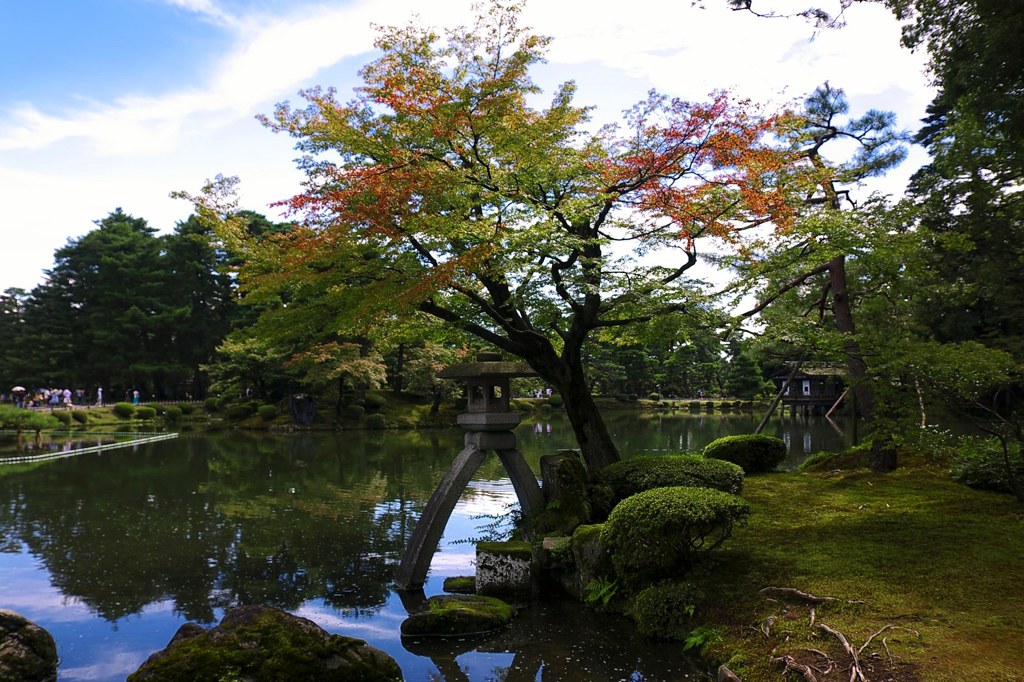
[{"x": 828, "y": 665}]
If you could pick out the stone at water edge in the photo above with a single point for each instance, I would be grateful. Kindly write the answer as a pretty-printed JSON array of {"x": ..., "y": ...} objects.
[
  {"x": 300, "y": 651},
  {"x": 455, "y": 615},
  {"x": 27, "y": 651},
  {"x": 504, "y": 569}
]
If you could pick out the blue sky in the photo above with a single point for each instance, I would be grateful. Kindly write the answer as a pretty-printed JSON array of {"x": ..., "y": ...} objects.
[{"x": 117, "y": 103}]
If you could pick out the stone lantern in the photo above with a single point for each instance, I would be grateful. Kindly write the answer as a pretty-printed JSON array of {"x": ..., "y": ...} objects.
[{"x": 488, "y": 421}]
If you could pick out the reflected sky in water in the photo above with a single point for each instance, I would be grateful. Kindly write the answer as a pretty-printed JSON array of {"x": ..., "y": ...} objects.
[{"x": 112, "y": 552}]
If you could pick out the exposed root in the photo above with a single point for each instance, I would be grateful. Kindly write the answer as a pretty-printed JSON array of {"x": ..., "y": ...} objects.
[
  {"x": 792, "y": 592},
  {"x": 856, "y": 672},
  {"x": 792, "y": 664},
  {"x": 766, "y": 626}
]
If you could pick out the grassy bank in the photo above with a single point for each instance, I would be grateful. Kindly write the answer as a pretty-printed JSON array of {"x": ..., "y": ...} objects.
[{"x": 932, "y": 566}]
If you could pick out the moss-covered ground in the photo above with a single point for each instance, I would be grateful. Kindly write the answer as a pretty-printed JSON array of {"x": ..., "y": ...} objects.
[{"x": 940, "y": 563}]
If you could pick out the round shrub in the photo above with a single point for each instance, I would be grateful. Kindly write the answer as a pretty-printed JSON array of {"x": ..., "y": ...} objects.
[
  {"x": 145, "y": 412},
  {"x": 376, "y": 421},
  {"x": 709, "y": 406},
  {"x": 374, "y": 402},
  {"x": 654, "y": 396},
  {"x": 172, "y": 413},
  {"x": 693, "y": 406},
  {"x": 212, "y": 404},
  {"x": 655, "y": 534},
  {"x": 238, "y": 412},
  {"x": 63, "y": 417},
  {"x": 157, "y": 408},
  {"x": 665, "y": 610},
  {"x": 756, "y": 453},
  {"x": 555, "y": 400},
  {"x": 186, "y": 408},
  {"x": 637, "y": 474},
  {"x": 266, "y": 412},
  {"x": 124, "y": 410},
  {"x": 354, "y": 411},
  {"x": 80, "y": 416}
]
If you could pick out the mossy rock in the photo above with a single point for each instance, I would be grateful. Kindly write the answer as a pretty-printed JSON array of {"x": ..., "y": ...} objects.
[
  {"x": 458, "y": 615},
  {"x": 591, "y": 557},
  {"x": 265, "y": 643},
  {"x": 27, "y": 651},
  {"x": 566, "y": 485},
  {"x": 460, "y": 584}
]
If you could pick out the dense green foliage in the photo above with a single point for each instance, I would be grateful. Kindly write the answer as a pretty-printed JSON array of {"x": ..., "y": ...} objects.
[
  {"x": 755, "y": 453},
  {"x": 637, "y": 474},
  {"x": 661, "y": 533},
  {"x": 124, "y": 410},
  {"x": 665, "y": 610}
]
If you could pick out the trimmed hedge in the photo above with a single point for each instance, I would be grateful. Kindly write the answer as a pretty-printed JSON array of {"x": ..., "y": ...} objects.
[
  {"x": 212, "y": 404},
  {"x": 374, "y": 402},
  {"x": 637, "y": 474},
  {"x": 755, "y": 453},
  {"x": 63, "y": 417},
  {"x": 173, "y": 413},
  {"x": 145, "y": 412},
  {"x": 656, "y": 534},
  {"x": 124, "y": 410},
  {"x": 80, "y": 416},
  {"x": 665, "y": 610},
  {"x": 376, "y": 421},
  {"x": 267, "y": 412},
  {"x": 186, "y": 408},
  {"x": 238, "y": 412}
]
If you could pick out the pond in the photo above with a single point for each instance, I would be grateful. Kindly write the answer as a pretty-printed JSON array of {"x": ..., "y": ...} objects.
[{"x": 112, "y": 551}]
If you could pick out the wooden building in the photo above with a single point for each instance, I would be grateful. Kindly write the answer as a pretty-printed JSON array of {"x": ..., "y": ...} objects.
[{"x": 813, "y": 390}]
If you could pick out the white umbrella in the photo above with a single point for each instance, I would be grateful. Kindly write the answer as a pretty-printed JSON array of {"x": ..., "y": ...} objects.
[{"x": 18, "y": 389}]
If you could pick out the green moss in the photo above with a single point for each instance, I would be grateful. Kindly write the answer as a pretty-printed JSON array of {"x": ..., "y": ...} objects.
[
  {"x": 270, "y": 645},
  {"x": 458, "y": 615},
  {"x": 514, "y": 548},
  {"x": 918, "y": 551},
  {"x": 461, "y": 584}
]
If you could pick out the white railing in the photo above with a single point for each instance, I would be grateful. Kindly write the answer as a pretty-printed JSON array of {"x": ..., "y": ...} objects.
[{"x": 146, "y": 438}]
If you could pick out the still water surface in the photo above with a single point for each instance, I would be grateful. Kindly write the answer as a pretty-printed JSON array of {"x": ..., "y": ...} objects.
[{"x": 113, "y": 551}]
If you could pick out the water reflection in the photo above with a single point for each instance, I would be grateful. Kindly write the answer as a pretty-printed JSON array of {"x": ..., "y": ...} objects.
[{"x": 113, "y": 551}]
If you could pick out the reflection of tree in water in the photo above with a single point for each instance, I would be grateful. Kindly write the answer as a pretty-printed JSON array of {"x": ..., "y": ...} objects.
[{"x": 235, "y": 518}]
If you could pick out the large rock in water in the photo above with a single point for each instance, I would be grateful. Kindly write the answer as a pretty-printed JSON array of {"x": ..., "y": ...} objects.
[
  {"x": 265, "y": 644},
  {"x": 27, "y": 651},
  {"x": 458, "y": 615}
]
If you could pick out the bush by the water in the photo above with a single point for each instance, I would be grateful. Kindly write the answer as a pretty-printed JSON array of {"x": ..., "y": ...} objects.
[
  {"x": 665, "y": 610},
  {"x": 655, "y": 534},
  {"x": 267, "y": 412},
  {"x": 555, "y": 400},
  {"x": 376, "y": 421},
  {"x": 173, "y": 413},
  {"x": 374, "y": 402},
  {"x": 354, "y": 411},
  {"x": 63, "y": 417},
  {"x": 124, "y": 410},
  {"x": 238, "y": 412},
  {"x": 212, "y": 404},
  {"x": 756, "y": 453},
  {"x": 80, "y": 416},
  {"x": 186, "y": 408},
  {"x": 145, "y": 412},
  {"x": 630, "y": 476},
  {"x": 982, "y": 464}
]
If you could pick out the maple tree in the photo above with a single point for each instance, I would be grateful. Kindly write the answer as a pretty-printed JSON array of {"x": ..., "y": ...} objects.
[{"x": 439, "y": 188}]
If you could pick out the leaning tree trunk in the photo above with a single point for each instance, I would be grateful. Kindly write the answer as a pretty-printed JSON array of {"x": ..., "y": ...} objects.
[
  {"x": 883, "y": 454},
  {"x": 587, "y": 423}
]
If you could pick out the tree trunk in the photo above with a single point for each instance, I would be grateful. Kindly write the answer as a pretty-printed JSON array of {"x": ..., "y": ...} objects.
[
  {"x": 587, "y": 423},
  {"x": 883, "y": 455}
]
